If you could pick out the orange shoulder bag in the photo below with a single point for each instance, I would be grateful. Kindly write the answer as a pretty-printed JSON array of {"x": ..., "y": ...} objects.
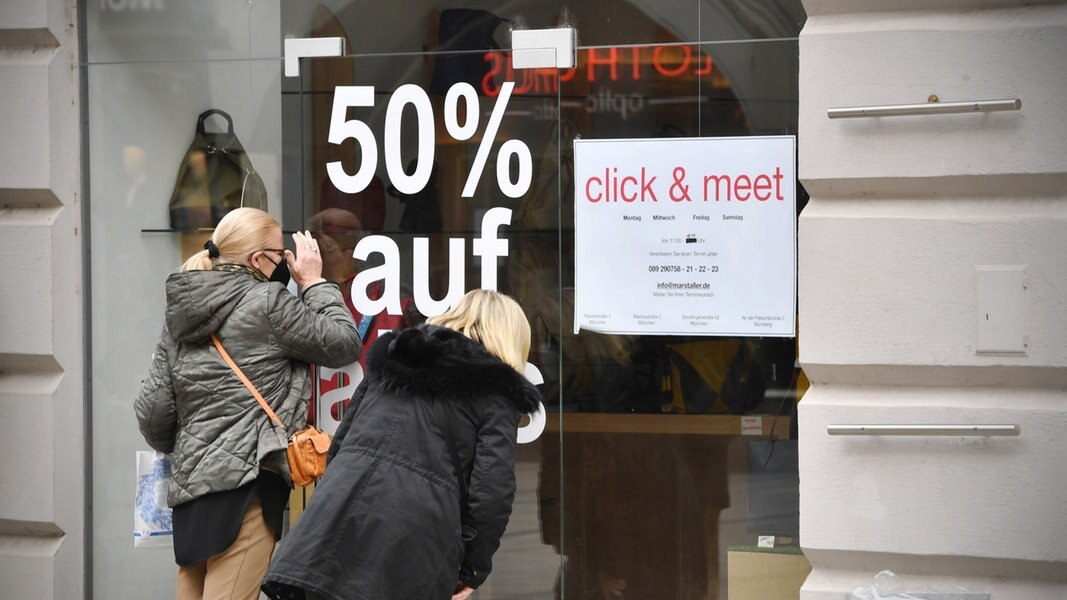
[{"x": 307, "y": 448}]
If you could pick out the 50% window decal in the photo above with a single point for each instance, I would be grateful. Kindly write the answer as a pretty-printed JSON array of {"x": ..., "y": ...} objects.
[{"x": 342, "y": 129}]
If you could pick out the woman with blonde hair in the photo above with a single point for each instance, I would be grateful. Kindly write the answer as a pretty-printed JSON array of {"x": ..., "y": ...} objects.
[
  {"x": 421, "y": 477},
  {"x": 231, "y": 479}
]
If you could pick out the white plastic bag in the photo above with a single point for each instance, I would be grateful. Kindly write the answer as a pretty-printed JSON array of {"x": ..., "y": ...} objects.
[
  {"x": 152, "y": 518},
  {"x": 887, "y": 586}
]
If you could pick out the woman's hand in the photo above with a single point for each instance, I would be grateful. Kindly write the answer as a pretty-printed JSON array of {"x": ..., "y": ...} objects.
[
  {"x": 462, "y": 592},
  {"x": 306, "y": 265}
]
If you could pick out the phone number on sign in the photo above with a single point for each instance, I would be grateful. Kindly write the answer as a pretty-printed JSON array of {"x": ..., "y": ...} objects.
[{"x": 683, "y": 269}]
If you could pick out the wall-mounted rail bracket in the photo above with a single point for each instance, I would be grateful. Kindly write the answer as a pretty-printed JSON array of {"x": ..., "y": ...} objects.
[{"x": 929, "y": 108}]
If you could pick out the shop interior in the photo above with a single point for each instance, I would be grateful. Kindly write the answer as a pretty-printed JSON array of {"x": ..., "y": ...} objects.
[{"x": 664, "y": 458}]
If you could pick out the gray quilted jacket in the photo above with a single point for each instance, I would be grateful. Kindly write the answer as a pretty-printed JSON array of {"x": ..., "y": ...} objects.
[{"x": 193, "y": 407}]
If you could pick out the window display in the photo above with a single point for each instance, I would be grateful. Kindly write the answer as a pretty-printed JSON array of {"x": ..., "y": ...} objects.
[{"x": 658, "y": 452}]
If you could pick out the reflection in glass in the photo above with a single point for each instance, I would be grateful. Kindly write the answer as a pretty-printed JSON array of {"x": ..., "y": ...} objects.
[
  {"x": 644, "y": 505},
  {"x": 642, "y": 480}
]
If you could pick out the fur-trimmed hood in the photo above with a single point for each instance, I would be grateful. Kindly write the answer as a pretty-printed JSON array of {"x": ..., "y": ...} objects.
[{"x": 438, "y": 361}]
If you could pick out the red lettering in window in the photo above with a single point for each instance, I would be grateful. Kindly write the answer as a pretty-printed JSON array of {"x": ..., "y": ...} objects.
[
  {"x": 657, "y": 61},
  {"x": 593, "y": 61}
]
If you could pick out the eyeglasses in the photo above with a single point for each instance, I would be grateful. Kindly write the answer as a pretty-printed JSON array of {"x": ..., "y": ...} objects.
[{"x": 280, "y": 251}]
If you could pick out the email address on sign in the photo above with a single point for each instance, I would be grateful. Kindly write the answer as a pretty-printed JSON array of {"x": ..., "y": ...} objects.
[{"x": 688, "y": 285}]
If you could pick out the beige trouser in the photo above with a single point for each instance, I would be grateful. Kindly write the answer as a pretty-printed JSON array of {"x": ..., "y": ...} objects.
[{"x": 236, "y": 572}]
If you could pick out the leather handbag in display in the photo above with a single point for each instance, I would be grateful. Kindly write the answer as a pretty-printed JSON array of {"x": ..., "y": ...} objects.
[
  {"x": 215, "y": 177},
  {"x": 307, "y": 448}
]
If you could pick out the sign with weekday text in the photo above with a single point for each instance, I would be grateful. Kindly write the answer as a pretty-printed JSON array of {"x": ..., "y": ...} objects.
[{"x": 686, "y": 236}]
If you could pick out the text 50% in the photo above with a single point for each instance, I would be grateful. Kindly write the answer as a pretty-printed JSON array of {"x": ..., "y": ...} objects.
[{"x": 342, "y": 129}]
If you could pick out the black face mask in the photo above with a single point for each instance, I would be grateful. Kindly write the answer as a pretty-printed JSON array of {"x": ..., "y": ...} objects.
[{"x": 281, "y": 272}]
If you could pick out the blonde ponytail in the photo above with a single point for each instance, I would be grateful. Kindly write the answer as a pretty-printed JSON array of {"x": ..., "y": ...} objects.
[
  {"x": 198, "y": 262},
  {"x": 240, "y": 233}
]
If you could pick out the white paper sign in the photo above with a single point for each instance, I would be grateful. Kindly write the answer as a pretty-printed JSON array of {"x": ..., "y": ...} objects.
[
  {"x": 751, "y": 425},
  {"x": 686, "y": 236}
]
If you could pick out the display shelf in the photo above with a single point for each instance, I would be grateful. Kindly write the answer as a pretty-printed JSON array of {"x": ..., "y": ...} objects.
[
  {"x": 195, "y": 231},
  {"x": 784, "y": 549},
  {"x": 470, "y": 232}
]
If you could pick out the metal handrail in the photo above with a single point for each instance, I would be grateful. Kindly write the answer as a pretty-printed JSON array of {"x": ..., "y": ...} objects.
[
  {"x": 929, "y": 108},
  {"x": 924, "y": 430}
]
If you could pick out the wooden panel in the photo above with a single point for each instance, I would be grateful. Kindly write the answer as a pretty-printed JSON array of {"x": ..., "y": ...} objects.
[
  {"x": 676, "y": 424},
  {"x": 765, "y": 575}
]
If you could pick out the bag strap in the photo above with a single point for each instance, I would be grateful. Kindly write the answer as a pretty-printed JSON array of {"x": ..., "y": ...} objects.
[
  {"x": 248, "y": 384},
  {"x": 214, "y": 111}
]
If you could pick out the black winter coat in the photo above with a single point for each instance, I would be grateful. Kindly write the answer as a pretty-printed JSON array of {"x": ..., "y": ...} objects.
[{"x": 385, "y": 520}]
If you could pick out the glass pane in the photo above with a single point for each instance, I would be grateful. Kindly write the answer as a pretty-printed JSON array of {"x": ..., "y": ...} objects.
[
  {"x": 659, "y": 484},
  {"x": 432, "y": 236},
  {"x": 642, "y": 476},
  {"x": 143, "y": 132},
  {"x": 416, "y": 27},
  {"x": 168, "y": 30},
  {"x": 142, "y": 128}
]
